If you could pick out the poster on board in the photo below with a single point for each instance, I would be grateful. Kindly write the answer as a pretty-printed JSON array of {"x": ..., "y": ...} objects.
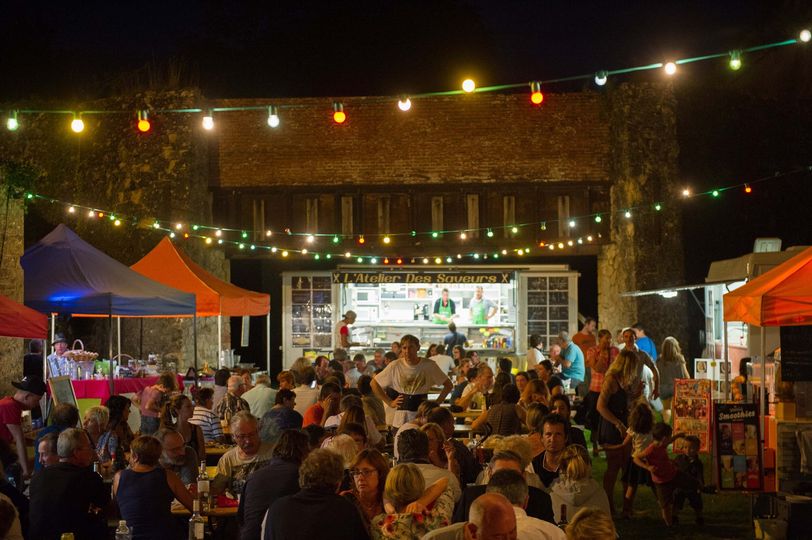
[
  {"x": 738, "y": 462},
  {"x": 691, "y": 409}
]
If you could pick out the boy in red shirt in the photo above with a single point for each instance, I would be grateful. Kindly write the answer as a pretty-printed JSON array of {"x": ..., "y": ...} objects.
[{"x": 664, "y": 472}]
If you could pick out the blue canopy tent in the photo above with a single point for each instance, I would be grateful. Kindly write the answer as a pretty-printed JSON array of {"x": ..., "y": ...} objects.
[{"x": 65, "y": 274}]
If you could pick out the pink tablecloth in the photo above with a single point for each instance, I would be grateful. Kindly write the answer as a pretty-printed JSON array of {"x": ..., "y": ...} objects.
[{"x": 101, "y": 389}]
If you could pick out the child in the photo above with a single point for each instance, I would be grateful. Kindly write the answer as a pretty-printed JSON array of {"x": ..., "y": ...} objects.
[
  {"x": 691, "y": 465},
  {"x": 664, "y": 473},
  {"x": 638, "y": 435}
]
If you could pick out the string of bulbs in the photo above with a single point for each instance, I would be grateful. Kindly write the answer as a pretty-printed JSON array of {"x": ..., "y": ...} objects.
[{"x": 404, "y": 102}]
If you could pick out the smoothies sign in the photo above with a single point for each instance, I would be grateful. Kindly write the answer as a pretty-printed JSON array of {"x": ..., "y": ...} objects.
[
  {"x": 737, "y": 443},
  {"x": 450, "y": 278}
]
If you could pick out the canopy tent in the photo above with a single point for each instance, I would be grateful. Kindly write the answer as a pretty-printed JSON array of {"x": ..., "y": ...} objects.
[
  {"x": 215, "y": 297},
  {"x": 780, "y": 297},
  {"x": 16, "y": 320},
  {"x": 65, "y": 274}
]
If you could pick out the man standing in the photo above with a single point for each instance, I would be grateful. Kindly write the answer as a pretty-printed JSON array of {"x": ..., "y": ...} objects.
[
  {"x": 585, "y": 339},
  {"x": 444, "y": 309},
  {"x": 645, "y": 343},
  {"x": 343, "y": 335},
  {"x": 453, "y": 338},
  {"x": 176, "y": 456},
  {"x": 412, "y": 378},
  {"x": 58, "y": 365},
  {"x": 28, "y": 394},
  {"x": 571, "y": 360},
  {"x": 261, "y": 397},
  {"x": 481, "y": 309},
  {"x": 69, "y": 496},
  {"x": 232, "y": 402}
]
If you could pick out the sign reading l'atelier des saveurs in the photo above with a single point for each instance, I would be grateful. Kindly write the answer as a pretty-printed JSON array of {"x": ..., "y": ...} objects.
[{"x": 462, "y": 278}]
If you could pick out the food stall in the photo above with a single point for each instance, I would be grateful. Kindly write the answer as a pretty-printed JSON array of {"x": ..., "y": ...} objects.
[
  {"x": 393, "y": 301},
  {"x": 65, "y": 274},
  {"x": 782, "y": 298}
]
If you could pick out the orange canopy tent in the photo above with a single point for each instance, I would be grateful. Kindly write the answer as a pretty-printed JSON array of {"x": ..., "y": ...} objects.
[
  {"x": 215, "y": 298},
  {"x": 780, "y": 297},
  {"x": 19, "y": 321}
]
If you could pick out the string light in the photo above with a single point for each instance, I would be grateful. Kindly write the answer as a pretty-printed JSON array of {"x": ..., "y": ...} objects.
[
  {"x": 468, "y": 86},
  {"x": 536, "y": 97},
  {"x": 438, "y": 260},
  {"x": 747, "y": 188},
  {"x": 805, "y": 35},
  {"x": 304, "y": 251},
  {"x": 268, "y": 233},
  {"x": 735, "y": 60},
  {"x": 77, "y": 125},
  {"x": 386, "y": 239},
  {"x": 490, "y": 233},
  {"x": 117, "y": 222},
  {"x": 425, "y": 261},
  {"x": 686, "y": 192},
  {"x": 463, "y": 236},
  {"x": 361, "y": 240},
  {"x": 178, "y": 226},
  {"x": 336, "y": 240},
  {"x": 171, "y": 235},
  {"x": 273, "y": 116},
  {"x": 670, "y": 68},
  {"x": 601, "y": 77},
  {"x": 589, "y": 238},
  {"x": 715, "y": 192},
  {"x": 514, "y": 229},
  {"x": 339, "y": 116},
  {"x": 572, "y": 223},
  {"x": 310, "y": 239},
  {"x": 404, "y": 104},
  {"x": 208, "y": 240},
  {"x": 208, "y": 121},
  {"x": 373, "y": 260},
  {"x": 435, "y": 234},
  {"x": 143, "y": 124},
  {"x": 11, "y": 122},
  {"x": 71, "y": 209},
  {"x": 598, "y": 218},
  {"x": 91, "y": 213},
  {"x": 627, "y": 214},
  {"x": 658, "y": 207},
  {"x": 218, "y": 233},
  {"x": 347, "y": 254},
  {"x": 285, "y": 253},
  {"x": 360, "y": 260}
]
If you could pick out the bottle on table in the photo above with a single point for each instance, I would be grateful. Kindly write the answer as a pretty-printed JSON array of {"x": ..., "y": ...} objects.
[
  {"x": 562, "y": 523},
  {"x": 204, "y": 488},
  {"x": 197, "y": 524},
  {"x": 123, "y": 532}
]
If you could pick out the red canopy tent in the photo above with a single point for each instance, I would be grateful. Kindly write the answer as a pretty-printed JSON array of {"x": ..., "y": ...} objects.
[
  {"x": 16, "y": 320},
  {"x": 215, "y": 297}
]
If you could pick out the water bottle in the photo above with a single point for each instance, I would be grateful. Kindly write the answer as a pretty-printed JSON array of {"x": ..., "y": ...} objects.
[{"x": 123, "y": 532}]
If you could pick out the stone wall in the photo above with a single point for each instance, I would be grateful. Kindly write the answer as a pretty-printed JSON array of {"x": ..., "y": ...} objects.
[
  {"x": 646, "y": 252},
  {"x": 163, "y": 174},
  {"x": 11, "y": 284}
]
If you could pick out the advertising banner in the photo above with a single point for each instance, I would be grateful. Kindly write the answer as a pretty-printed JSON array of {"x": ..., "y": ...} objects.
[
  {"x": 737, "y": 446},
  {"x": 691, "y": 408}
]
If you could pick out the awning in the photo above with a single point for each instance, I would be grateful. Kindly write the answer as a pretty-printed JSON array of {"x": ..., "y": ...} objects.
[
  {"x": 16, "y": 320},
  {"x": 670, "y": 292}
]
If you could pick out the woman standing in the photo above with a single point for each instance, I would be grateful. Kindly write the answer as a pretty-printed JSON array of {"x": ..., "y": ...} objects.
[
  {"x": 671, "y": 366},
  {"x": 145, "y": 490},
  {"x": 176, "y": 415},
  {"x": 598, "y": 360},
  {"x": 622, "y": 385},
  {"x": 152, "y": 402}
]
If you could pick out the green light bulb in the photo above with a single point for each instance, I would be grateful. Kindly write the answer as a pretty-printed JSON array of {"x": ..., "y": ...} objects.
[
  {"x": 435, "y": 234},
  {"x": 715, "y": 193},
  {"x": 658, "y": 207},
  {"x": 598, "y": 218},
  {"x": 336, "y": 240},
  {"x": 490, "y": 233}
]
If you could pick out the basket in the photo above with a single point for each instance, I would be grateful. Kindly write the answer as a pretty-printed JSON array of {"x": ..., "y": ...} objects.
[{"x": 80, "y": 355}]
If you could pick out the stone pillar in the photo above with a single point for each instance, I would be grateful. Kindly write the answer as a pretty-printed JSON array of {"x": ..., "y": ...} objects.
[
  {"x": 644, "y": 252},
  {"x": 11, "y": 284}
]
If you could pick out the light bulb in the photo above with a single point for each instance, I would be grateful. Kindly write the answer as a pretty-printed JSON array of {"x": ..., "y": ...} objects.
[
  {"x": 285, "y": 253},
  {"x": 310, "y": 238},
  {"x": 468, "y": 85},
  {"x": 686, "y": 192},
  {"x": 438, "y": 260},
  {"x": 805, "y": 35},
  {"x": 339, "y": 116},
  {"x": 404, "y": 104},
  {"x": 273, "y": 116},
  {"x": 490, "y": 233},
  {"x": 71, "y": 209},
  {"x": 463, "y": 236},
  {"x": 601, "y": 77},
  {"x": 735, "y": 60},
  {"x": 77, "y": 125},
  {"x": 536, "y": 97},
  {"x": 598, "y": 218},
  {"x": 91, "y": 213},
  {"x": 670, "y": 68},
  {"x": 627, "y": 214},
  {"x": 386, "y": 240},
  {"x": 514, "y": 229},
  {"x": 11, "y": 123},
  {"x": 208, "y": 240},
  {"x": 425, "y": 261},
  {"x": 572, "y": 223},
  {"x": 208, "y": 121},
  {"x": 143, "y": 122},
  {"x": 218, "y": 233}
]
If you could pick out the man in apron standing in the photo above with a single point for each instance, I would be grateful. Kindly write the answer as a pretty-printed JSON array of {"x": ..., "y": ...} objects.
[{"x": 481, "y": 308}]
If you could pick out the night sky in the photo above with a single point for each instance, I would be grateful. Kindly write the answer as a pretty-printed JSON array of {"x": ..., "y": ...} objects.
[{"x": 732, "y": 126}]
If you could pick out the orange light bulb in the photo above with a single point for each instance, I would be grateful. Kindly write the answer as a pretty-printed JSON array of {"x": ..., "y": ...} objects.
[
  {"x": 144, "y": 126},
  {"x": 536, "y": 98}
]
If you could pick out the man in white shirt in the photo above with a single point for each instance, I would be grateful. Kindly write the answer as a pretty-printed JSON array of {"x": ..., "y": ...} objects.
[
  {"x": 445, "y": 362},
  {"x": 355, "y": 369},
  {"x": 513, "y": 487},
  {"x": 490, "y": 517},
  {"x": 307, "y": 393},
  {"x": 475, "y": 391},
  {"x": 261, "y": 397},
  {"x": 412, "y": 378}
]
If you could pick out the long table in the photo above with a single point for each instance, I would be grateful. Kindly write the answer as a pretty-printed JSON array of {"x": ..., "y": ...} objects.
[{"x": 100, "y": 388}]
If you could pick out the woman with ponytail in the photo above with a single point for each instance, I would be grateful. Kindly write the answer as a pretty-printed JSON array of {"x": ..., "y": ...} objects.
[{"x": 176, "y": 414}]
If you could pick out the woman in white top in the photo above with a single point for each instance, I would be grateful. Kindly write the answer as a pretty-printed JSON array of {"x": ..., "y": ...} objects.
[
  {"x": 671, "y": 365},
  {"x": 534, "y": 354}
]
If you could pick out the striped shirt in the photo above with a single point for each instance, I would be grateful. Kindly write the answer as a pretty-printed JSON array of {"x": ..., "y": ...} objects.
[{"x": 208, "y": 422}]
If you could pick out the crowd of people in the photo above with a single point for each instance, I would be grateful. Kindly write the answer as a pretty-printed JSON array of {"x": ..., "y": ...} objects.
[{"x": 350, "y": 448}]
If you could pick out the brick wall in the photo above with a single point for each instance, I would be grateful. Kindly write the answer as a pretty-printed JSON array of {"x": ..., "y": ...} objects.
[{"x": 476, "y": 138}]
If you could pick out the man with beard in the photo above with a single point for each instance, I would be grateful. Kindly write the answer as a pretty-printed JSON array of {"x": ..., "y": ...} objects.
[{"x": 176, "y": 456}]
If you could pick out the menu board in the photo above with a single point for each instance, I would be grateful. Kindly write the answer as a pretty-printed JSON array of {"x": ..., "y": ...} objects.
[
  {"x": 796, "y": 353},
  {"x": 691, "y": 408},
  {"x": 737, "y": 442}
]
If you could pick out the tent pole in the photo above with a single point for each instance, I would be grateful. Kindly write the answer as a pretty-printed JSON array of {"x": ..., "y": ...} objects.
[
  {"x": 268, "y": 342},
  {"x": 219, "y": 339},
  {"x": 762, "y": 391},
  {"x": 118, "y": 337},
  {"x": 194, "y": 335},
  {"x": 110, "y": 351},
  {"x": 141, "y": 339},
  {"x": 725, "y": 360},
  {"x": 53, "y": 326}
]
